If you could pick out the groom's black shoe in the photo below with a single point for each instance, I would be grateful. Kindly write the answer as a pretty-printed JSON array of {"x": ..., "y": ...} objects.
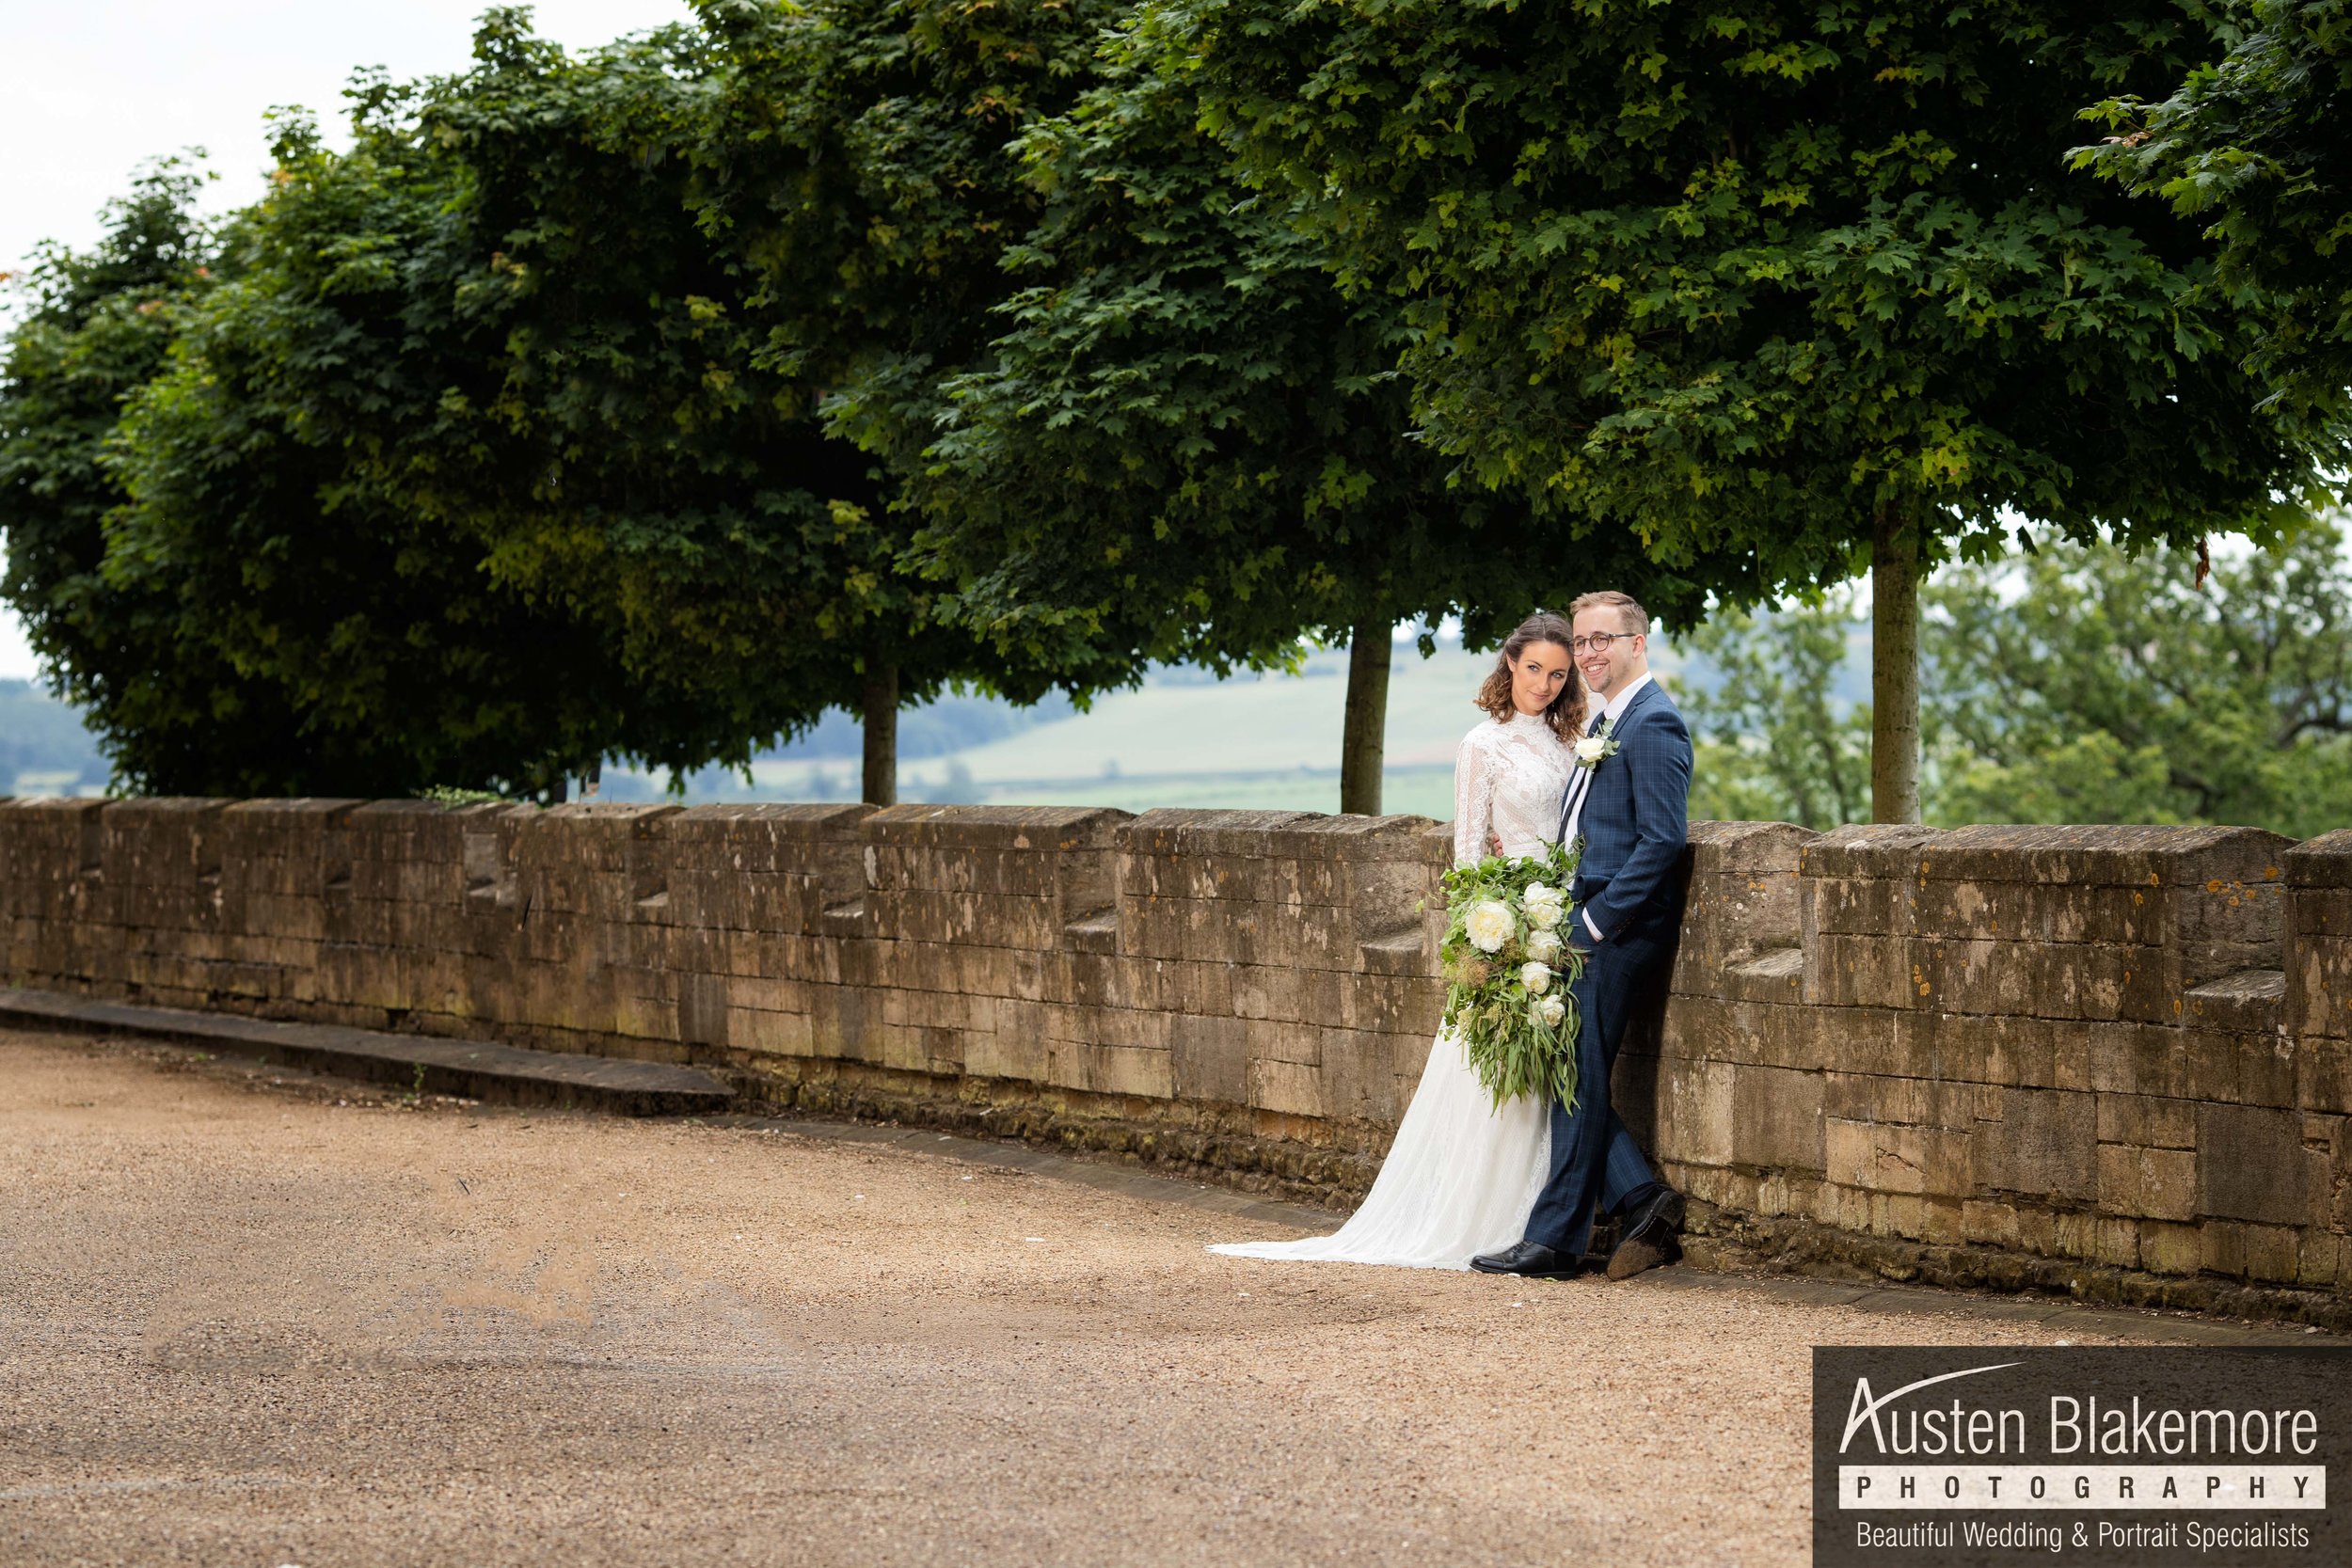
[
  {"x": 1649, "y": 1234},
  {"x": 1528, "y": 1258}
]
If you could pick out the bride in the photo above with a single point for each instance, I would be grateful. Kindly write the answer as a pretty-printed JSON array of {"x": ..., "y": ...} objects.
[{"x": 1462, "y": 1175}]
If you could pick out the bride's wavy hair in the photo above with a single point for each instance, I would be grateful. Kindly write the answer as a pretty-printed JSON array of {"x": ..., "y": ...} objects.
[{"x": 1566, "y": 713}]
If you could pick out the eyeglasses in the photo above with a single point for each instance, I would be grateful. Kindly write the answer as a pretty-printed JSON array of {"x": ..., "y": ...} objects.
[{"x": 1598, "y": 642}]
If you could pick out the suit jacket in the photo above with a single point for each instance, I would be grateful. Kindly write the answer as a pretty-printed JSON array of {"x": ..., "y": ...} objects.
[{"x": 1636, "y": 822}]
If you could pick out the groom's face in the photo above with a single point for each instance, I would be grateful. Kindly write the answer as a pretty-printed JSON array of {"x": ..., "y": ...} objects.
[{"x": 1606, "y": 651}]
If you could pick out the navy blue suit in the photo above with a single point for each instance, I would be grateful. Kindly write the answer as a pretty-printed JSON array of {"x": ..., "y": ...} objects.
[{"x": 1635, "y": 827}]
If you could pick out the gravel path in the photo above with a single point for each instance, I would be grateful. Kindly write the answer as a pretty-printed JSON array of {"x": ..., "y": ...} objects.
[{"x": 249, "y": 1317}]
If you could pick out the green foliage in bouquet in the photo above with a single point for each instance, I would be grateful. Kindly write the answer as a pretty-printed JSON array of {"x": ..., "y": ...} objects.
[{"x": 1508, "y": 967}]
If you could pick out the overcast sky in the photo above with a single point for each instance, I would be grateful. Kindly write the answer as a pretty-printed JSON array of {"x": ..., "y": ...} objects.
[{"x": 92, "y": 89}]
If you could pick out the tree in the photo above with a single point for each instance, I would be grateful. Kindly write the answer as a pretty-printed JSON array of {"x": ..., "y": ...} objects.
[
  {"x": 2254, "y": 147},
  {"x": 2078, "y": 683},
  {"x": 238, "y": 611},
  {"x": 2086, "y": 685},
  {"x": 94, "y": 327},
  {"x": 303, "y": 632},
  {"x": 1809, "y": 281},
  {"x": 666, "y": 256},
  {"x": 1186, "y": 444},
  {"x": 1775, "y": 740}
]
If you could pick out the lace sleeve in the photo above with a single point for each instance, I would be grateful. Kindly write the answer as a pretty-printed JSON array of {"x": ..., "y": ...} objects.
[{"x": 1473, "y": 800}]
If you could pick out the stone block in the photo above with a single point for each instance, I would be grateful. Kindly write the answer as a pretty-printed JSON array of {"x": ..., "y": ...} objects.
[
  {"x": 1743, "y": 895},
  {"x": 2115, "y": 1242},
  {"x": 1777, "y": 1114},
  {"x": 1209, "y": 1058},
  {"x": 1395, "y": 1006},
  {"x": 1697, "y": 1122},
  {"x": 2222, "y": 1243},
  {"x": 1021, "y": 1057},
  {"x": 2318, "y": 1000},
  {"x": 2170, "y": 1248},
  {"x": 1986, "y": 1224},
  {"x": 2140, "y": 1059},
  {"x": 2274, "y": 1254},
  {"x": 2043, "y": 1145},
  {"x": 1883, "y": 1158},
  {"x": 2320, "y": 1261},
  {"x": 2252, "y": 1000},
  {"x": 1891, "y": 852},
  {"x": 1860, "y": 971},
  {"x": 2147, "y": 1120},
  {"x": 1279, "y": 1041},
  {"x": 2250, "y": 1164},
  {"x": 1776, "y": 976},
  {"x": 2039, "y": 912},
  {"x": 1129, "y": 1070},
  {"x": 1291, "y": 1088},
  {"x": 2074, "y": 981},
  {"x": 1854, "y": 906},
  {"x": 2156, "y": 1183},
  {"x": 1359, "y": 1076}
]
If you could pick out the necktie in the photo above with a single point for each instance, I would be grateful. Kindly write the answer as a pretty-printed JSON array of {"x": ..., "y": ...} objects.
[{"x": 1581, "y": 782}]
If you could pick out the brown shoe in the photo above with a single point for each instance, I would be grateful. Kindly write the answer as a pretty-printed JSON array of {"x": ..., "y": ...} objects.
[{"x": 1649, "y": 1236}]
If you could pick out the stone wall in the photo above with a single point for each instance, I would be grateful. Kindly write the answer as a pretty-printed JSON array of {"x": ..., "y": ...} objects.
[{"x": 2116, "y": 1061}]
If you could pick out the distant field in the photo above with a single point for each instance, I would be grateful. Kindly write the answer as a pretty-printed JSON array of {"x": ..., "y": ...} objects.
[
  {"x": 1269, "y": 743},
  {"x": 1264, "y": 727},
  {"x": 1263, "y": 743},
  {"x": 1420, "y": 791}
]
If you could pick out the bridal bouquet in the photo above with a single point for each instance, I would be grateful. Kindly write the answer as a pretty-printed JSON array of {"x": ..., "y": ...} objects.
[{"x": 1507, "y": 971}]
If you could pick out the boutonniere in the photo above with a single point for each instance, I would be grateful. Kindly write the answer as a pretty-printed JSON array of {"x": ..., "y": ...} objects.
[{"x": 1594, "y": 750}]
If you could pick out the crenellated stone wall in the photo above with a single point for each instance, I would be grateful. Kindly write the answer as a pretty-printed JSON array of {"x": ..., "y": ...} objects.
[{"x": 2116, "y": 1061}]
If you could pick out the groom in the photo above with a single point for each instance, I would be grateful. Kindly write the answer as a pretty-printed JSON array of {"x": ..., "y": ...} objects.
[{"x": 1631, "y": 808}]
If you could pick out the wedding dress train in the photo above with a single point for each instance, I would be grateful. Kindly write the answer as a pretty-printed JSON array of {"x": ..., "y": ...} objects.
[{"x": 1462, "y": 1174}]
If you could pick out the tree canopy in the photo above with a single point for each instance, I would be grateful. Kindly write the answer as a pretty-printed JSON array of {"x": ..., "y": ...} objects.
[
  {"x": 675, "y": 251},
  {"x": 1808, "y": 280},
  {"x": 2255, "y": 148},
  {"x": 1186, "y": 437},
  {"x": 505, "y": 450}
]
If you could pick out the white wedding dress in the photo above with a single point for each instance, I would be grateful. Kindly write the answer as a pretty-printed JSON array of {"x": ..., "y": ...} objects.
[{"x": 1462, "y": 1175}]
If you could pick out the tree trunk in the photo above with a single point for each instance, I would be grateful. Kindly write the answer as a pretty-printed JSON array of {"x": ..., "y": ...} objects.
[
  {"x": 1894, "y": 668},
  {"x": 882, "y": 733},
  {"x": 592, "y": 781},
  {"x": 1364, "y": 742}
]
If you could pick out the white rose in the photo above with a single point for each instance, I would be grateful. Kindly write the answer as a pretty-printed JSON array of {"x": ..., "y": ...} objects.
[
  {"x": 1543, "y": 916},
  {"x": 1538, "y": 893},
  {"x": 1591, "y": 748},
  {"x": 1552, "y": 1011},
  {"x": 1542, "y": 946},
  {"x": 1488, "y": 925},
  {"x": 1535, "y": 976}
]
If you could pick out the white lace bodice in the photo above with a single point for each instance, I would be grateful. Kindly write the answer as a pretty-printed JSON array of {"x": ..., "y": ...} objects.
[{"x": 1509, "y": 779}]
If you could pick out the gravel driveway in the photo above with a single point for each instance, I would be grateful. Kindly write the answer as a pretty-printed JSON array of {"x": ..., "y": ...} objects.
[{"x": 252, "y": 1318}]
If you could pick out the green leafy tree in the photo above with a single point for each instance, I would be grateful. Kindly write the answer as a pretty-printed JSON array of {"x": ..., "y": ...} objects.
[
  {"x": 92, "y": 328},
  {"x": 2079, "y": 682},
  {"x": 1187, "y": 444},
  {"x": 2254, "y": 147},
  {"x": 1806, "y": 280},
  {"x": 308, "y": 633},
  {"x": 665, "y": 256},
  {"x": 1775, "y": 740},
  {"x": 2085, "y": 685}
]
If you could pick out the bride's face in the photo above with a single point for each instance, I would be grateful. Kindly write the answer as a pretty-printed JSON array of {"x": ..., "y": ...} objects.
[{"x": 1540, "y": 674}]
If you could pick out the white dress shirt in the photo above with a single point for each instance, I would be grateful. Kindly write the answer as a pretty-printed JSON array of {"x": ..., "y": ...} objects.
[{"x": 1581, "y": 785}]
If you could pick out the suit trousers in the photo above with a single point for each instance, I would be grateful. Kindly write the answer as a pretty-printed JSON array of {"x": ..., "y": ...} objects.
[{"x": 1593, "y": 1154}]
